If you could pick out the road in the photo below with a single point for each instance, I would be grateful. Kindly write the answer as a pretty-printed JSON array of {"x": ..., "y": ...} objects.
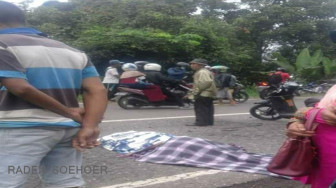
[{"x": 233, "y": 124}]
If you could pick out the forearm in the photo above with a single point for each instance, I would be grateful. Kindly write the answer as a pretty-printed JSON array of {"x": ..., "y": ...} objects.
[
  {"x": 40, "y": 99},
  {"x": 95, "y": 103}
]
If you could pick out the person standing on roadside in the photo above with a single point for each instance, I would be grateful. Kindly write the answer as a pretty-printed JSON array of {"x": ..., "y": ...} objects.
[
  {"x": 111, "y": 78},
  {"x": 225, "y": 81},
  {"x": 41, "y": 124},
  {"x": 204, "y": 91}
]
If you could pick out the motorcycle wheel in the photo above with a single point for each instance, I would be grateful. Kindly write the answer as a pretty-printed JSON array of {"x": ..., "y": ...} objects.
[
  {"x": 240, "y": 96},
  {"x": 264, "y": 112},
  {"x": 123, "y": 102}
]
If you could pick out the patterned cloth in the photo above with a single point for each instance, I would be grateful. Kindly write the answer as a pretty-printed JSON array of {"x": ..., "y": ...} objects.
[
  {"x": 132, "y": 141},
  {"x": 198, "y": 152}
]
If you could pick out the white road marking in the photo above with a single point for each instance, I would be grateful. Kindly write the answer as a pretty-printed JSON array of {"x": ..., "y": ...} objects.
[
  {"x": 176, "y": 117},
  {"x": 165, "y": 179}
]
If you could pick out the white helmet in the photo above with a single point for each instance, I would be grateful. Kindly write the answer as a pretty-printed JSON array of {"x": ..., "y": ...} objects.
[
  {"x": 152, "y": 67},
  {"x": 129, "y": 67}
]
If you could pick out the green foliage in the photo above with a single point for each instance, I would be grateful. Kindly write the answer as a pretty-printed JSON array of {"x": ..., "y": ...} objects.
[{"x": 168, "y": 31}]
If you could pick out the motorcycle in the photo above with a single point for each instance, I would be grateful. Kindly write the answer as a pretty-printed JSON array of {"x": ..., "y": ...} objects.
[
  {"x": 264, "y": 89},
  {"x": 152, "y": 96},
  {"x": 239, "y": 94},
  {"x": 315, "y": 88},
  {"x": 279, "y": 103}
]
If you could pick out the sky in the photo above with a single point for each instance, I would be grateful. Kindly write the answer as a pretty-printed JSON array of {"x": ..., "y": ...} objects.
[{"x": 36, "y": 3}]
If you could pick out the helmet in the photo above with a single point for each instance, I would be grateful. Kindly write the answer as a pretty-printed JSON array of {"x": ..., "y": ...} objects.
[
  {"x": 152, "y": 67},
  {"x": 280, "y": 69},
  {"x": 182, "y": 64},
  {"x": 140, "y": 63},
  {"x": 207, "y": 67},
  {"x": 129, "y": 67},
  {"x": 114, "y": 62},
  {"x": 220, "y": 68}
]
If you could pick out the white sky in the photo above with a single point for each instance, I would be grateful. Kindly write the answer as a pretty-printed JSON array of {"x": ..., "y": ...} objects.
[
  {"x": 35, "y": 3},
  {"x": 40, "y": 2}
]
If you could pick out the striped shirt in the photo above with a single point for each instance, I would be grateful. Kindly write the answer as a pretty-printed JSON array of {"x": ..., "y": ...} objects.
[{"x": 50, "y": 66}]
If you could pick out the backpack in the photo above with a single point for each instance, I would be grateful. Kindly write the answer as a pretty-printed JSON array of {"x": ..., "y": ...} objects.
[
  {"x": 274, "y": 79},
  {"x": 233, "y": 81},
  {"x": 225, "y": 80},
  {"x": 219, "y": 80}
]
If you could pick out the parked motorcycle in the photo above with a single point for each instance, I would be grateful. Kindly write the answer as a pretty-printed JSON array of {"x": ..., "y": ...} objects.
[
  {"x": 239, "y": 94},
  {"x": 279, "y": 103},
  {"x": 151, "y": 96},
  {"x": 265, "y": 89},
  {"x": 315, "y": 88}
]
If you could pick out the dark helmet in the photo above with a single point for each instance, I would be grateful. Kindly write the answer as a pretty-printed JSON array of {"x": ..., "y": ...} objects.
[
  {"x": 114, "y": 62},
  {"x": 332, "y": 35},
  {"x": 281, "y": 69}
]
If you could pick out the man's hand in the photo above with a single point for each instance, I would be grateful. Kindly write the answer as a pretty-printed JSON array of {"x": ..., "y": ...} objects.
[
  {"x": 86, "y": 138},
  {"x": 298, "y": 129},
  {"x": 329, "y": 115},
  {"x": 76, "y": 114}
]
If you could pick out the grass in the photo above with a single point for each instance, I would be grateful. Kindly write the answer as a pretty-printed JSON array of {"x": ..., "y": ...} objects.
[{"x": 252, "y": 91}]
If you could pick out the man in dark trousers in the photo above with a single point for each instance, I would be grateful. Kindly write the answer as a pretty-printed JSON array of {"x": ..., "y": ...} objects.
[
  {"x": 204, "y": 91},
  {"x": 42, "y": 126}
]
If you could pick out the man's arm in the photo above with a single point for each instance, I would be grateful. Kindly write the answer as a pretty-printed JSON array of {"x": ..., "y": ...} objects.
[
  {"x": 95, "y": 102},
  {"x": 22, "y": 89}
]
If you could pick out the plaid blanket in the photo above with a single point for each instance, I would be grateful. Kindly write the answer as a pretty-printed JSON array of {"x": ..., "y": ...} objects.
[{"x": 199, "y": 152}]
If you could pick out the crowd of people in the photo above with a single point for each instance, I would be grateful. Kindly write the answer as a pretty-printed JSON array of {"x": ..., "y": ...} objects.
[{"x": 151, "y": 73}]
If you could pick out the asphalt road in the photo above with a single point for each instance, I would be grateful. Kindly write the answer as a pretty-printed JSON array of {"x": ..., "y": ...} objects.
[{"x": 233, "y": 124}]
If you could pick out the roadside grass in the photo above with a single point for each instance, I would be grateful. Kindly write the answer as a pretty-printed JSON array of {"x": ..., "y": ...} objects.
[{"x": 252, "y": 91}]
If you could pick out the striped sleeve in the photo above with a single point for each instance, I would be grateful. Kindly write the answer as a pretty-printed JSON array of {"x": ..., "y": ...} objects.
[
  {"x": 89, "y": 70},
  {"x": 10, "y": 67}
]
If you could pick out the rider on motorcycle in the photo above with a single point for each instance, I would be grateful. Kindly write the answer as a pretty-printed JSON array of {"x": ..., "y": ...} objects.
[
  {"x": 281, "y": 72},
  {"x": 179, "y": 71},
  {"x": 153, "y": 75},
  {"x": 132, "y": 78}
]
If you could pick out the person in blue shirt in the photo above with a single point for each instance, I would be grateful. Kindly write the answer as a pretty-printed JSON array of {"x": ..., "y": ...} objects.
[{"x": 41, "y": 124}]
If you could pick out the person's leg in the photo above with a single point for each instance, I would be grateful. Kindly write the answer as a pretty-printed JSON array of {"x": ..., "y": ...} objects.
[
  {"x": 220, "y": 96},
  {"x": 229, "y": 94},
  {"x": 110, "y": 90},
  {"x": 62, "y": 166},
  {"x": 197, "y": 109},
  {"x": 21, "y": 150},
  {"x": 203, "y": 111},
  {"x": 114, "y": 89},
  {"x": 172, "y": 96},
  {"x": 211, "y": 112},
  {"x": 208, "y": 111}
]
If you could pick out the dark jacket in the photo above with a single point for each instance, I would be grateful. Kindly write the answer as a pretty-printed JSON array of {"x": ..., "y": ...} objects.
[{"x": 158, "y": 78}]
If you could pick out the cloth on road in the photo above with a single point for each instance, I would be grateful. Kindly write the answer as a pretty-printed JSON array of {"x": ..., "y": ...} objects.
[
  {"x": 197, "y": 152},
  {"x": 132, "y": 141}
]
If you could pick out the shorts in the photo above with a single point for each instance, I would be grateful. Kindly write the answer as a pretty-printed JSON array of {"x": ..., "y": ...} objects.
[
  {"x": 40, "y": 150},
  {"x": 224, "y": 93}
]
